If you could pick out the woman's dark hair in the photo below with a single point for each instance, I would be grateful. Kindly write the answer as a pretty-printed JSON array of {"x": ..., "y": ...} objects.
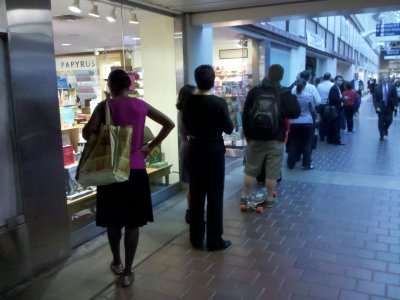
[
  {"x": 184, "y": 93},
  {"x": 305, "y": 75},
  {"x": 205, "y": 77},
  {"x": 338, "y": 76},
  {"x": 118, "y": 81},
  {"x": 347, "y": 85},
  {"x": 301, "y": 84}
]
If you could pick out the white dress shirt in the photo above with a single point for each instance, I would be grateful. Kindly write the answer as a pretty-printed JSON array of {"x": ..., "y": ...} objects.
[
  {"x": 357, "y": 84},
  {"x": 323, "y": 89},
  {"x": 311, "y": 89}
]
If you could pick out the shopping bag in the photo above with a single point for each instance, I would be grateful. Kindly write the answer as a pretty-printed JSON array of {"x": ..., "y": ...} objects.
[
  {"x": 106, "y": 156},
  {"x": 330, "y": 112}
]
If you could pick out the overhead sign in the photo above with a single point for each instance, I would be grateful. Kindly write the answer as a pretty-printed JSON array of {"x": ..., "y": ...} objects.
[
  {"x": 392, "y": 54},
  {"x": 315, "y": 41},
  {"x": 388, "y": 32},
  {"x": 77, "y": 63}
]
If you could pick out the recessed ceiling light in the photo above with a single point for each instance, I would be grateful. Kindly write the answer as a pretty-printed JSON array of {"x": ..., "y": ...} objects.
[
  {"x": 94, "y": 12},
  {"x": 112, "y": 17},
  {"x": 74, "y": 7},
  {"x": 133, "y": 19},
  {"x": 136, "y": 38},
  {"x": 65, "y": 44}
]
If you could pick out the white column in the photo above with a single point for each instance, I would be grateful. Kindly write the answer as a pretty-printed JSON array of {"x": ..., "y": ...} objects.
[
  {"x": 331, "y": 66},
  {"x": 159, "y": 80},
  {"x": 298, "y": 62},
  {"x": 197, "y": 48}
]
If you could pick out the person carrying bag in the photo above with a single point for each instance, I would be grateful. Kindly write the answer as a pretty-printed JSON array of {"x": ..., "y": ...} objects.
[
  {"x": 106, "y": 156},
  {"x": 115, "y": 161}
]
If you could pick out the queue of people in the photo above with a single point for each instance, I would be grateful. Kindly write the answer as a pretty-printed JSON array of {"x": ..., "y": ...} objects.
[{"x": 272, "y": 116}]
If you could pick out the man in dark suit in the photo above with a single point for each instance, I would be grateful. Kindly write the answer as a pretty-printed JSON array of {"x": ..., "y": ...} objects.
[
  {"x": 336, "y": 99},
  {"x": 385, "y": 102}
]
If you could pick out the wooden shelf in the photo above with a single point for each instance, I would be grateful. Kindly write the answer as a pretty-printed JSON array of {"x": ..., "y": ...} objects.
[{"x": 77, "y": 201}]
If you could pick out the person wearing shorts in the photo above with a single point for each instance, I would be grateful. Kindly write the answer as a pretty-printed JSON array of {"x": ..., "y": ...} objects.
[{"x": 267, "y": 147}]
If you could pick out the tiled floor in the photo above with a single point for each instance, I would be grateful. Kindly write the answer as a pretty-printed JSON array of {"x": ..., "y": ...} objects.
[
  {"x": 334, "y": 235},
  {"x": 325, "y": 240}
]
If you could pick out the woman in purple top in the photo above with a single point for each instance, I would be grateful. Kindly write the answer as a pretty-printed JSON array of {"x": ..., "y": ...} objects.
[{"x": 127, "y": 204}]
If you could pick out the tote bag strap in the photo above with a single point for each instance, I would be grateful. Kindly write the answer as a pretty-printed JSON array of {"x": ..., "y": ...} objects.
[{"x": 109, "y": 120}]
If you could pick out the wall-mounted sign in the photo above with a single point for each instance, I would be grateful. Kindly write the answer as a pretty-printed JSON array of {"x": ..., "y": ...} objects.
[
  {"x": 315, "y": 41},
  {"x": 233, "y": 53},
  {"x": 388, "y": 32},
  {"x": 392, "y": 54},
  {"x": 77, "y": 63}
]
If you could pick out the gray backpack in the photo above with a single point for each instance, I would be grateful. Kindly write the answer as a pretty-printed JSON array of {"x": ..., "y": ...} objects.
[{"x": 264, "y": 115}]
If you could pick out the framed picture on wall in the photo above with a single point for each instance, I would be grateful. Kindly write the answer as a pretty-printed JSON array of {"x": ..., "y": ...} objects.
[{"x": 233, "y": 53}]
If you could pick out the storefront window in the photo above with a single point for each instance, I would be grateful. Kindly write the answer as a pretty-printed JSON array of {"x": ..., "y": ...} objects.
[
  {"x": 104, "y": 37},
  {"x": 236, "y": 63}
]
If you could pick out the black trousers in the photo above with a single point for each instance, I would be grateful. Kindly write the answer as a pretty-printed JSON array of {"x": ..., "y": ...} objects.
[
  {"x": 385, "y": 119},
  {"x": 334, "y": 128},
  {"x": 206, "y": 179},
  {"x": 349, "y": 111},
  {"x": 301, "y": 138},
  {"x": 323, "y": 123}
]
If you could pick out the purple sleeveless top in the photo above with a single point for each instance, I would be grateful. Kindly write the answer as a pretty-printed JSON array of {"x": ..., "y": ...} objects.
[{"x": 131, "y": 111}]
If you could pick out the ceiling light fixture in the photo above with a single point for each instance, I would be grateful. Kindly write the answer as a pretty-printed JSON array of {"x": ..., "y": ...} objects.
[
  {"x": 112, "y": 17},
  {"x": 133, "y": 19},
  {"x": 74, "y": 7},
  {"x": 136, "y": 38},
  {"x": 94, "y": 12},
  {"x": 65, "y": 44}
]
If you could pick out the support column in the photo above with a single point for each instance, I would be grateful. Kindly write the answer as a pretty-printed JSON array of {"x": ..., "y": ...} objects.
[
  {"x": 159, "y": 81},
  {"x": 43, "y": 227},
  {"x": 298, "y": 62},
  {"x": 197, "y": 48}
]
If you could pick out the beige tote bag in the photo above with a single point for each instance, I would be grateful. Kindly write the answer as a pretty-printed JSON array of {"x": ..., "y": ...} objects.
[{"x": 106, "y": 156}]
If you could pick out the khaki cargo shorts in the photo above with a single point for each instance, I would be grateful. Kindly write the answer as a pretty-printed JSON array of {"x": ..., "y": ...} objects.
[{"x": 271, "y": 152}]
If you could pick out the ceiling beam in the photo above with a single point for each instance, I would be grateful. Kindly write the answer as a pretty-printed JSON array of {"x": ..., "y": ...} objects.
[
  {"x": 146, "y": 5},
  {"x": 303, "y": 9}
]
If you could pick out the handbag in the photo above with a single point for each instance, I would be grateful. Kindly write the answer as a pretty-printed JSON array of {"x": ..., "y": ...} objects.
[
  {"x": 330, "y": 112},
  {"x": 106, "y": 156}
]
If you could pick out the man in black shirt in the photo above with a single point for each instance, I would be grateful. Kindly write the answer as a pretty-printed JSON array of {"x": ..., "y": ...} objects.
[
  {"x": 205, "y": 118},
  {"x": 266, "y": 137}
]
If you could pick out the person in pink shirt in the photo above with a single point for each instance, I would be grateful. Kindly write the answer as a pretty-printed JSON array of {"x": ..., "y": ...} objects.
[{"x": 127, "y": 204}]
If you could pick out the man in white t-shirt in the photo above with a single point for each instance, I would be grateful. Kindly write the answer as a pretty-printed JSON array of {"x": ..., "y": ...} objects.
[{"x": 323, "y": 89}]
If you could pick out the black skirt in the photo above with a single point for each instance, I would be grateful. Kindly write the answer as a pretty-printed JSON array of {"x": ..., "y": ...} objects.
[{"x": 125, "y": 203}]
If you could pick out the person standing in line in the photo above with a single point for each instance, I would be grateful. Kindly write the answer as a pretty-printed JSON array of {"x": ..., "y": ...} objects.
[
  {"x": 336, "y": 100},
  {"x": 302, "y": 129},
  {"x": 309, "y": 88},
  {"x": 323, "y": 89},
  {"x": 372, "y": 87},
  {"x": 184, "y": 93},
  {"x": 385, "y": 102},
  {"x": 126, "y": 204},
  {"x": 265, "y": 110},
  {"x": 357, "y": 85},
  {"x": 349, "y": 105},
  {"x": 397, "y": 86},
  {"x": 205, "y": 118}
]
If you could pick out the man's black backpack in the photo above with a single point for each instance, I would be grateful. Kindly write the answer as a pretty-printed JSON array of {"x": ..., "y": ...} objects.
[{"x": 264, "y": 114}]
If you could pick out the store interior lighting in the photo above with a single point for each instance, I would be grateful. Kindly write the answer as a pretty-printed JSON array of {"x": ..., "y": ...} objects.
[
  {"x": 112, "y": 17},
  {"x": 133, "y": 19},
  {"x": 74, "y": 7},
  {"x": 94, "y": 12},
  {"x": 243, "y": 42}
]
